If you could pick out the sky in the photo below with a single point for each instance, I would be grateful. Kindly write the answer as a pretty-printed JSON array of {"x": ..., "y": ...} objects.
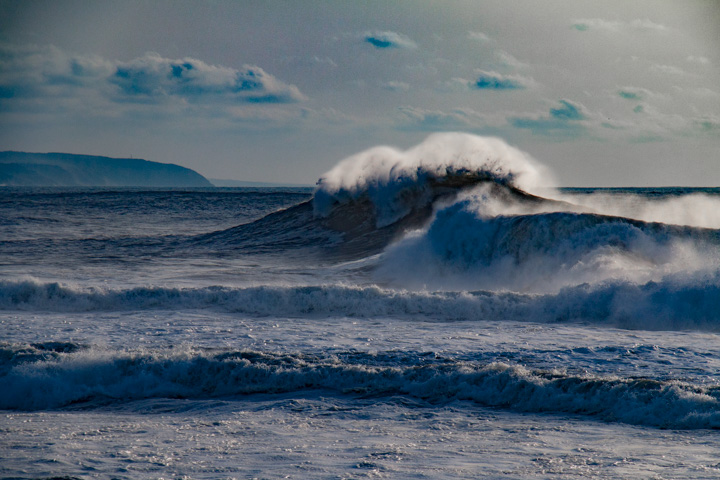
[{"x": 604, "y": 93}]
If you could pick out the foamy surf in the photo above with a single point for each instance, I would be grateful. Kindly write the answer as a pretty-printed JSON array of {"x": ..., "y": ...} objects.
[
  {"x": 85, "y": 376},
  {"x": 677, "y": 302}
]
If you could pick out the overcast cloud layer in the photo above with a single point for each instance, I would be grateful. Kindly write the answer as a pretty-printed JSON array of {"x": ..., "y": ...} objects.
[{"x": 605, "y": 93}]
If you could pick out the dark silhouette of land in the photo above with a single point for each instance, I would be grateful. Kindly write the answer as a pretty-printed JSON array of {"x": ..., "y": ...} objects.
[{"x": 70, "y": 170}]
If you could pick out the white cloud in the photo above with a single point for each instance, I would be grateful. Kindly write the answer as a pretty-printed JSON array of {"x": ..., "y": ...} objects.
[
  {"x": 646, "y": 24},
  {"x": 509, "y": 61},
  {"x": 491, "y": 80},
  {"x": 667, "y": 69},
  {"x": 708, "y": 124},
  {"x": 664, "y": 124},
  {"x": 415, "y": 118},
  {"x": 383, "y": 40},
  {"x": 698, "y": 92},
  {"x": 328, "y": 116},
  {"x": 47, "y": 79},
  {"x": 568, "y": 120},
  {"x": 395, "y": 86},
  {"x": 479, "y": 37},
  {"x": 635, "y": 93},
  {"x": 309, "y": 62},
  {"x": 601, "y": 24},
  {"x": 455, "y": 85},
  {"x": 44, "y": 70},
  {"x": 698, "y": 59},
  {"x": 153, "y": 76}
]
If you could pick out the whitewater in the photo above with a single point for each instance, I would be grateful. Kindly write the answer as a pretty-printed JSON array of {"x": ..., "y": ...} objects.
[{"x": 444, "y": 311}]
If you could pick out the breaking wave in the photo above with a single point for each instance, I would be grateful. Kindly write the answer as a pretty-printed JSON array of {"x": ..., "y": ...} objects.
[
  {"x": 465, "y": 212},
  {"x": 464, "y": 248},
  {"x": 399, "y": 182},
  {"x": 677, "y": 302},
  {"x": 41, "y": 377},
  {"x": 374, "y": 198}
]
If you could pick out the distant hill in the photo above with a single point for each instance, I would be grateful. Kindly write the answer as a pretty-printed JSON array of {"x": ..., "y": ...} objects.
[{"x": 70, "y": 170}]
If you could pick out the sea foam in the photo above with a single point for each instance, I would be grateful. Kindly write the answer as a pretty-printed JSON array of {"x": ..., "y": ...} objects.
[
  {"x": 93, "y": 377},
  {"x": 676, "y": 302},
  {"x": 387, "y": 175}
]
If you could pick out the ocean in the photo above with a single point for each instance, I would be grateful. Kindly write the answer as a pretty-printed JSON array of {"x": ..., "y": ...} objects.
[{"x": 436, "y": 313}]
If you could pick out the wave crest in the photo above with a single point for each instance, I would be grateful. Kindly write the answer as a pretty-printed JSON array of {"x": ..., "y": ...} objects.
[
  {"x": 676, "y": 302},
  {"x": 89, "y": 376},
  {"x": 396, "y": 182}
]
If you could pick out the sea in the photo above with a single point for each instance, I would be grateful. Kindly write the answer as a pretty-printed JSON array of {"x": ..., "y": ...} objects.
[{"x": 441, "y": 312}]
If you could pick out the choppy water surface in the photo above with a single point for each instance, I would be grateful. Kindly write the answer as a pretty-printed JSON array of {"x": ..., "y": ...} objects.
[{"x": 435, "y": 314}]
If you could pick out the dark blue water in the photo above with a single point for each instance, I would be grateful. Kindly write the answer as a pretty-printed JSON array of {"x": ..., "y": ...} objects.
[{"x": 258, "y": 324}]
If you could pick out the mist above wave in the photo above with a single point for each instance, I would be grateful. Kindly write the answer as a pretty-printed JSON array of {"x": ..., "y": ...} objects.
[
  {"x": 692, "y": 209},
  {"x": 398, "y": 181}
]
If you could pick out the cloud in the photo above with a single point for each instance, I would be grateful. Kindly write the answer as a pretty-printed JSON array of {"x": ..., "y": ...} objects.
[
  {"x": 395, "y": 86},
  {"x": 155, "y": 76},
  {"x": 384, "y": 40},
  {"x": 568, "y": 111},
  {"x": 48, "y": 79},
  {"x": 635, "y": 93},
  {"x": 628, "y": 95},
  {"x": 455, "y": 85},
  {"x": 496, "y": 81},
  {"x": 611, "y": 26},
  {"x": 479, "y": 37},
  {"x": 39, "y": 71},
  {"x": 297, "y": 61},
  {"x": 699, "y": 60},
  {"x": 561, "y": 121},
  {"x": 327, "y": 116},
  {"x": 414, "y": 118},
  {"x": 508, "y": 60},
  {"x": 702, "y": 92},
  {"x": 651, "y": 124},
  {"x": 667, "y": 69},
  {"x": 708, "y": 124}
]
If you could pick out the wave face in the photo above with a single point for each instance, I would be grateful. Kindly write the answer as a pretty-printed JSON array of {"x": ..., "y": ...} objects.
[{"x": 42, "y": 376}]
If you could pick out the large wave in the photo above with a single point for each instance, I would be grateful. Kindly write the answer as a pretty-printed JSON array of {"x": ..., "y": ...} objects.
[
  {"x": 482, "y": 229},
  {"x": 466, "y": 212},
  {"x": 374, "y": 198},
  {"x": 42, "y": 376}
]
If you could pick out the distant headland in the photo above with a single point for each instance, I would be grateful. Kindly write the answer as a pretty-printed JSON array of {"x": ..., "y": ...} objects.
[{"x": 71, "y": 170}]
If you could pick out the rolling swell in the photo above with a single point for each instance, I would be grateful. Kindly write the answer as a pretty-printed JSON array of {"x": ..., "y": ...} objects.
[
  {"x": 677, "y": 302},
  {"x": 99, "y": 377}
]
